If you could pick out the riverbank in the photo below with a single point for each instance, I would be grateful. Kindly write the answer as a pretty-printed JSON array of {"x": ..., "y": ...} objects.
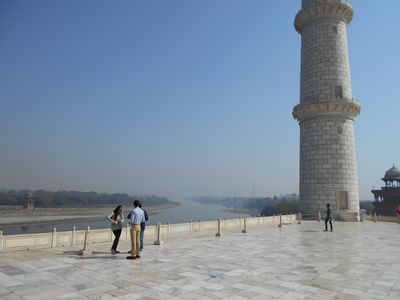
[
  {"x": 242, "y": 211},
  {"x": 16, "y": 216}
]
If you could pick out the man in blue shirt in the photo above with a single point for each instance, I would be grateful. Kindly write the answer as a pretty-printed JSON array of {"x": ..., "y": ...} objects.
[{"x": 137, "y": 217}]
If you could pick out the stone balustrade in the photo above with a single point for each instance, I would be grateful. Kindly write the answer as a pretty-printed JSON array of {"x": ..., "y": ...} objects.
[
  {"x": 76, "y": 237},
  {"x": 379, "y": 218}
]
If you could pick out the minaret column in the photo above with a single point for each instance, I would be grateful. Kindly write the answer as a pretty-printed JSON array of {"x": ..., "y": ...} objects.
[{"x": 328, "y": 170}]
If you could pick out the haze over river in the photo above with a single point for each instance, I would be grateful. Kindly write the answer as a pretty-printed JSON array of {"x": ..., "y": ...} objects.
[{"x": 188, "y": 210}]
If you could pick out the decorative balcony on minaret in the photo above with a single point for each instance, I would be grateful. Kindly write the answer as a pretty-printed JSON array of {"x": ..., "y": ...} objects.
[{"x": 328, "y": 168}]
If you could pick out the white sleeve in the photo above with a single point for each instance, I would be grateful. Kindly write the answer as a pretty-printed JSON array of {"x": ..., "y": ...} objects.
[{"x": 109, "y": 218}]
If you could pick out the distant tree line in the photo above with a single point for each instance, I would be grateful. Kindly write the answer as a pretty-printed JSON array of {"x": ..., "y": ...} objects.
[
  {"x": 44, "y": 198},
  {"x": 258, "y": 206},
  {"x": 268, "y": 206}
]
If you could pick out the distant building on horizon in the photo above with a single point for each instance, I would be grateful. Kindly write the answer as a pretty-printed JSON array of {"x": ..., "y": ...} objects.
[
  {"x": 388, "y": 197},
  {"x": 29, "y": 200}
]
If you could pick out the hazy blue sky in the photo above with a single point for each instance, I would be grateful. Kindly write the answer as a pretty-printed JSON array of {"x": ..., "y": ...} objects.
[{"x": 178, "y": 97}]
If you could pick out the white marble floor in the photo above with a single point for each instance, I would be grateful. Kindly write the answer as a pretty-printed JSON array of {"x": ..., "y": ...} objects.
[{"x": 356, "y": 261}]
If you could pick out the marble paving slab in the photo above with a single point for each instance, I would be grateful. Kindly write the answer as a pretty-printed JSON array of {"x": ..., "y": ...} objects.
[{"x": 356, "y": 261}]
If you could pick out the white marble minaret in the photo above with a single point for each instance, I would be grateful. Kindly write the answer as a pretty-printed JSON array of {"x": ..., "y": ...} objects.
[{"x": 328, "y": 169}]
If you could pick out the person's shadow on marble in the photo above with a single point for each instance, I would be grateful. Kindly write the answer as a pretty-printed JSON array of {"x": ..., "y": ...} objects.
[{"x": 95, "y": 255}]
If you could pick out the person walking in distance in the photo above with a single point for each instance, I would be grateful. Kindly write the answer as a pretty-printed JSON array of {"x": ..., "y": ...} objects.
[
  {"x": 328, "y": 217},
  {"x": 137, "y": 217},
  {"x": 398, "y": 213},
  {"x": 142, "y": 227},
  {"x": 117, "y": 220}
]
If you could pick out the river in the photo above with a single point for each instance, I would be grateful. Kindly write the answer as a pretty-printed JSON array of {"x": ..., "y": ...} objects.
[{"x": 188, "y": 210}]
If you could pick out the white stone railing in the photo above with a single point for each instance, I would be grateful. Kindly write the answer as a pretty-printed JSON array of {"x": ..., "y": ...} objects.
[
  {"x": 379, "y": 218},
  {"x": 74, "y": 237}
]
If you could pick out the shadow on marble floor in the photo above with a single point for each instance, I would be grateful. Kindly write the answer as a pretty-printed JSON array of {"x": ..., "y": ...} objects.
[{"x": 95, "y": 255}]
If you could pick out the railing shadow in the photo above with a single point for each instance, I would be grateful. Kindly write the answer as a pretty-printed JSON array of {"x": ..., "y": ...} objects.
[{"x": 95, "y": 255}]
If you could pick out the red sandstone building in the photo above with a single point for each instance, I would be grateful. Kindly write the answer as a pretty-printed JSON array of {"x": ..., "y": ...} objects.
[{"x": 388, "y": 197}]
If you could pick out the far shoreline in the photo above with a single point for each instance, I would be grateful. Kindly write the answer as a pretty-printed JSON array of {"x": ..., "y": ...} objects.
[{"x": 12, "y": 217}]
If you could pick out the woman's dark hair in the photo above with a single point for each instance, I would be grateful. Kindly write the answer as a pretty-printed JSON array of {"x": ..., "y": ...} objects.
[{"x": 116, "y": 212}]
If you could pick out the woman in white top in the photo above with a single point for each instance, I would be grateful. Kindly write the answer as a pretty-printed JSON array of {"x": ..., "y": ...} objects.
[{"x": 117, "y": 220}]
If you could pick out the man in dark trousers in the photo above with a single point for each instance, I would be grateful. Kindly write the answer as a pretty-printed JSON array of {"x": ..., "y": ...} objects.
[
  {"x": 328, "y": 217},
  {"x": 142, "y": 227}
]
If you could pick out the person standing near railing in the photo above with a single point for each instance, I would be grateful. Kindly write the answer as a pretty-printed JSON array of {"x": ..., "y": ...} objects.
[
  {"x": 328, "y": 217},
  {"x": 143, "y": 227},
  {"x": 137, "y": 217},
  {"x": 117, "y": 220}
]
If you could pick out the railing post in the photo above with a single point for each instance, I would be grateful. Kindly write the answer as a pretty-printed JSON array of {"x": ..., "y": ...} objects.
[
  {"x": 319, "y": 216},
  {"x": 73, "y": 236},
  {"x": 258, "y": 220},
  {"x": 263, "y": 218},
  {"x": 199, "y": 226},
  {"x": 53, "y": 238},
  {"x": 158, "y": 234},
  {"x": 244, "y": 225},
  {"x": 86, "y": 241},
  {"x": 226, "y": 228},
  {"x": 240, "y": 222},
  {"x": 375, "y": 218},
  {"x": 219, "y": 228},
  {"x": 86, "y": 251},
  {"x": 1, "y": 241},
  {"x": 299, "y": 216},
  {"x": 191, "y": 225},
  {"x": 280, "y": 221},
  {"x": 169, "y": 227}
]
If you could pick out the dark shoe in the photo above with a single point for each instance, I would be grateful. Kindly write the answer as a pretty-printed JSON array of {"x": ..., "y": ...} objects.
[
  {"x": 331, "y": 229},
  {"x": 131, "y": 257},
  {"x": 117, "y": 252},
  {"x": 326, "y": 230},
  {"x": 137, "y": 256},
  {"x": 113, "y": 251}
]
